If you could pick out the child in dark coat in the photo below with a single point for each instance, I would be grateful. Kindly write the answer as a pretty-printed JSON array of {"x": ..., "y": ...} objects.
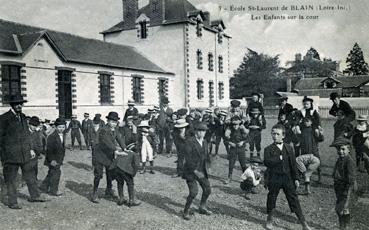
[
  {"x": 255, "y": 124},
  {"x": 125, "y": 168},
  {"x": 54, "y": 158},
  {"x": 344, "y": 181}
]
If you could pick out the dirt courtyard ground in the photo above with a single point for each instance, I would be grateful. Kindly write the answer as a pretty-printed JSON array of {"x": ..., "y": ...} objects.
[{"x": 163, "y": 198}]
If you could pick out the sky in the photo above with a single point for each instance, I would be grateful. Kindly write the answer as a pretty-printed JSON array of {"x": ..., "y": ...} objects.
[{"x": 333, "y": 34}]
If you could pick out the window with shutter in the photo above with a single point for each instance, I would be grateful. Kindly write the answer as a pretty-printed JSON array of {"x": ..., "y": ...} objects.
[
  {"x": 211, "y": 93},
  {"x": 199, "y": 59},
  {"x": 220, "y": 38},
  {"x": 200, "y": 89},
  {"x": 220, "y": 64},
  {"x": 211, "y": 62},
  {"x": 11, "y": 81},
  {"x": 105, "y": 93},
  {"x": 221, "y": 90},
  {"x": 163, "y": 88},
  {"x": 199, "y": 29},
  {"x": 137, "y": 89},
  {"x": 143, "y": 29}
]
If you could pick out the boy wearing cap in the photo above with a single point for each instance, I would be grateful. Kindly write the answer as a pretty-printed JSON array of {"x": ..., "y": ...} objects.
[
  {"x": 344, "y": 177},
  {"x": 104, "y": 154},
  {"x": 75, "y": 127},
  {"x": 360, "y": 136},
  {"x": 255, "y": 124},
  {"x": 195, "y": 170},
  {"x": 180, "y": 134},
  {"x": 255, "y": 103},
  {"x": 164, "y": 120},
  {"x": 146, "y": 146},
  {"x": 285, "y": 108},
  {"x": 280, "y": 161},
  {"x": 86, "y": 130},
  {"x": 219, "y": 120},
  {"x": 342, "y": 127},
  {"x": 236, "y": 137},
  {"x": 54, "y": 158},
  {"x": 36, "y": 142},
  {"x": 16, "y": 151},
  {"x": 131, "y": 111},
  {"x": 129, "y": 131}
]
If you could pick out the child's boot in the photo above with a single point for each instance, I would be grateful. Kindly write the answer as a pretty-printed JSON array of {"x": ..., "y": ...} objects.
[
  {"x": 152, "y": 167},
  {"x": 143, "y": 171}
]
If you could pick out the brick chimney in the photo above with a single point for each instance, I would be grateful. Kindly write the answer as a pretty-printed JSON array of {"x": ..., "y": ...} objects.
[
  {"x": 206, "y": 18},
  {"x": 130, "y": 11},
  {"x": 298, "y": 57}
]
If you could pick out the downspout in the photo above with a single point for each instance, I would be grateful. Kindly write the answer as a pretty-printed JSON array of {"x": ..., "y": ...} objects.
[
  {"x": 185, "y": 65},
  {"x": 216, "y": 60}
]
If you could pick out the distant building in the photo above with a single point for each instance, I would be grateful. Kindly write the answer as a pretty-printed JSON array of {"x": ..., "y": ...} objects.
[
  {"x": 353, "y": 86},
  {"x": 60, "y": 73},
  {"x": 183, "y": 40}
]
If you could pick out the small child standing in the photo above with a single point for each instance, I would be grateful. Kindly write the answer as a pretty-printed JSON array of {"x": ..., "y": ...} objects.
[
  {"x": 360, "y": 136},
  {"x": 54, "y": 158},
  {"x": 146, "y": 146},
  {"x": 344, "y": 181},
  {"x": 255, "y": 124}
]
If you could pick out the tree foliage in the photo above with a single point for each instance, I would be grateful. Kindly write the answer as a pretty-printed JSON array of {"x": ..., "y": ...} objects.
[
  {"x": 313, "y": 53},
  {"x": 356, "y": 64},
  {"x": 256, "y": 73}
]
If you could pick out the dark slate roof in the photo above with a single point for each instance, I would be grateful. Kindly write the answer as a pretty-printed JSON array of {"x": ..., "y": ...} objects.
[
  {"x": 342, "y": 82},
  {"x": 72, "y": 48},
  {"x": 175, "y": 11}
]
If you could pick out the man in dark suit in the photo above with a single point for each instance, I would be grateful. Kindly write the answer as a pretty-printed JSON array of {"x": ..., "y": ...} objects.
[
  {"x": 285, "y": 108},
  {"x": 164, "y": 119},
  {"x": 281, "y": 173},
  {"x": 16, "y": 152},
  {"x": 103, "y": 154},
  {"x": 339, "y": 104},
  {"x": 87, "y": 126},
  {"x": 54, "y": 158},
  {"x": 131, "y": 111},
  {"x": 195, "y": 170}
]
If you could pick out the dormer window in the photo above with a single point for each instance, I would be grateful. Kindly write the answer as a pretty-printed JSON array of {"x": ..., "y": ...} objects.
[
  {"x": 220, "y": 38},
  {"x": 329, "y": 84},
  {"x": 143, "y": 29}
]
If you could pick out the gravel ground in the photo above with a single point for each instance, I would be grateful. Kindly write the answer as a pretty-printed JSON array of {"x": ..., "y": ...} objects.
[{"x": 163, "y": 199}]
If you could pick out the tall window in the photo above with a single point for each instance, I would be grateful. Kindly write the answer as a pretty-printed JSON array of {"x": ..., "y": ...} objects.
[
  {"x": 220, "y": 64},
  {"x": 211, "y": 93},
  {"x": 143, "y": 29},
  {"x": 105, "y": 94},
  {"x": 211, "y": 61},
  {"x": 163, "y": 88},
  {"x": 200, "y": 89},
  {"x": 199, "y": 59},
  {"x": 137, "y": 89},
  {"x": 11, "y": 81},
  {"x": 221, "y": 90}
]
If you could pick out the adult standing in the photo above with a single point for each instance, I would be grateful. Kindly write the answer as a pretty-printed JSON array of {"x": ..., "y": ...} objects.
[
  {"x": 195, "y": 171},
  {"x": 131, "y": 111},
  {"x": 87, "y": 126},
  {"x": 164, "y": 120},
  {"x": 339, "y": 104},
  {"x": 103, "y": 155},
  {"x": 285, "y": 108},
  {"x": 15, "y": 149}
]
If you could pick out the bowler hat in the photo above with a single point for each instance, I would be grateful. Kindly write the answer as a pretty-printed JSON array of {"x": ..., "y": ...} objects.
[
  {"x": 96, "y": 120},
  {"x": 362, "y": 118},
  {"x": 113, "y": 116},
  {"x": 333, "y": 95},
  {"x": 235, "y": 103},
  {"x": 165, "y": 100},
  {"x": 16, "y": 99},
  {"x": 59, "y": 121},
  {"x": 201, "y": 126},
  {"x": 35, "y": 121},
  {"x": 307, "y": 99},
  {"x": 98, "y": 115},
  {"x": 181, "y": 123},
  {"x": 182, "y": 112}
]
